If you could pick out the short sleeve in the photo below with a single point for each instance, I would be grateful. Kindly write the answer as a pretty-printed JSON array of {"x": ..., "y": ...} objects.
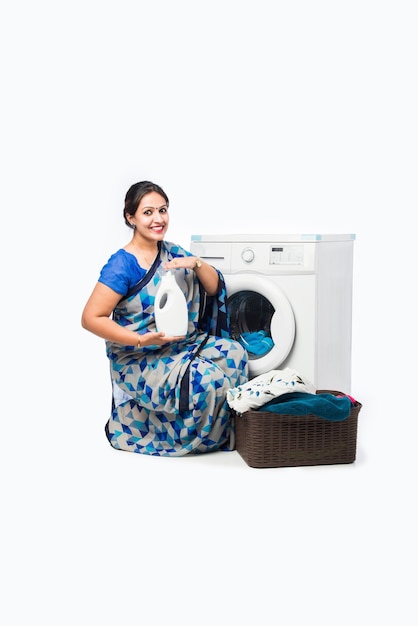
[{"x": 121, "y": 272}]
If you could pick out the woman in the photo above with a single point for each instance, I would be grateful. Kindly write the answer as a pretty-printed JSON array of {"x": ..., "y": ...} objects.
[{"x": 169, "y": 393}]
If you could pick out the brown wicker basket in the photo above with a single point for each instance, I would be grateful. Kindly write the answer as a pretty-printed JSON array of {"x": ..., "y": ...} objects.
[{"x": 265, "y": 439}]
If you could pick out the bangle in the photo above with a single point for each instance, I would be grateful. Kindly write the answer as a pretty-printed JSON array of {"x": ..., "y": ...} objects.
[{"x": 138, "y": 345}]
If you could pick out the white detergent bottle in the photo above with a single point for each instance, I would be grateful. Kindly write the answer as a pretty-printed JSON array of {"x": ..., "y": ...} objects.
[{"x": 171, "y": 315}]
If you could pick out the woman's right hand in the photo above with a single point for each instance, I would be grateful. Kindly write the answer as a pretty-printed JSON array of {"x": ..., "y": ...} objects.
[{"x": 157, "y": 339}]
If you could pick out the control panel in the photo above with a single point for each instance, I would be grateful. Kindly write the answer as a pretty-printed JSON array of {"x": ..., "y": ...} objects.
[{"x": 286, "y": 255}]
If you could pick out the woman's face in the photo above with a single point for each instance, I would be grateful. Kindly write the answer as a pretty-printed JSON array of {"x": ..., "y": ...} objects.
[{"x": 151, "y": 217}]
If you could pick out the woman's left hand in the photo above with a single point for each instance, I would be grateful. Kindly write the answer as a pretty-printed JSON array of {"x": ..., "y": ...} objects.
[
  {"x": 206, "y": 274},
  {"x": 185, "y": 262}
]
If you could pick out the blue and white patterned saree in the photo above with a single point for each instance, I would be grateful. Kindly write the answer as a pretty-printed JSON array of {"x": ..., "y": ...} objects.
[{"x": 170, "y": 400}]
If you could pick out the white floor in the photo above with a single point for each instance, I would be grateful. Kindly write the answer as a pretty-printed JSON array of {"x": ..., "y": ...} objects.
[{"x": 97, "y": 536}]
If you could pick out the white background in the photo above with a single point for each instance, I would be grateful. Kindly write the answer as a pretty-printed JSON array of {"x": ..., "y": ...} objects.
[{"x": 281, "y": 117}]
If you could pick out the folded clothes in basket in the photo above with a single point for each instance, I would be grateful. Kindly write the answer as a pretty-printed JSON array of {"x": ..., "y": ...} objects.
[
  {"x": 325, "y": 405},
  {"x": 263, "y": 388}
]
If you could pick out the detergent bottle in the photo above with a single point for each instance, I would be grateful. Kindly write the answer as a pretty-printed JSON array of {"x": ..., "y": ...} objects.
[{"x": 171, "y": 315}]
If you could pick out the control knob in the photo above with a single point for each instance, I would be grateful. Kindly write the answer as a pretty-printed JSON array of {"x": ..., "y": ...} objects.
[{"x": 247, "y": 255}]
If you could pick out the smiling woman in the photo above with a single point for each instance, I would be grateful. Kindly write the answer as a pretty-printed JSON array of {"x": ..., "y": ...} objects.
[{"x": 168, "y": 392}]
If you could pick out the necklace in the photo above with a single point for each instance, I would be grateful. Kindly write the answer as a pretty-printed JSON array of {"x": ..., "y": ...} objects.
[{"x": 141, "y": 255}]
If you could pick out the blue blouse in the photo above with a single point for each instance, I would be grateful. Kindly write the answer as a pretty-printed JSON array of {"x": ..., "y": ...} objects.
[{"x": 121, "y": 272}]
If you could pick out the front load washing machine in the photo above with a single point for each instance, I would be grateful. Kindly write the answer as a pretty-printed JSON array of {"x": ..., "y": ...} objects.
[{"x": 290, "y": 301}]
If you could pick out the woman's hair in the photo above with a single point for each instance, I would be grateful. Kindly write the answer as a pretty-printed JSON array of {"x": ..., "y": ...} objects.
[{"x": 135, "y": 194}]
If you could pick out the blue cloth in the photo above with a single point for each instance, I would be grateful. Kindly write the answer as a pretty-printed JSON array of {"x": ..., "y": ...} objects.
[
  {"x": 256, "y": 343},
  {"x": 325, "y": 405},
  {"x": 121, "y": 272}
]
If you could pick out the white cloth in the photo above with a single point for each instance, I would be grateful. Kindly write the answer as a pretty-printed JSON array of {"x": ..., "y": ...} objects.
[
  {"x": 266, "y": 387},
  {"x": 120, "y": 396}
]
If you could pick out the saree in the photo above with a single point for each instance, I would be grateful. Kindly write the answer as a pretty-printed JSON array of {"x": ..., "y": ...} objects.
[{"x": 170, "y": 400}]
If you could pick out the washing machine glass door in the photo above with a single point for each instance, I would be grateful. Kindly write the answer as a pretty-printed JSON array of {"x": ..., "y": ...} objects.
[{"x": 262, "y": 320}]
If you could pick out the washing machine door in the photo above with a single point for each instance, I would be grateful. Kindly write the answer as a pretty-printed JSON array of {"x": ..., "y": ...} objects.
[{"x": 262, "y": 320}]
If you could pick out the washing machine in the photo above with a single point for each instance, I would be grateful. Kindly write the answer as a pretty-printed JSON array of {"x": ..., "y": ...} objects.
[{"x": 290, "y": 300}]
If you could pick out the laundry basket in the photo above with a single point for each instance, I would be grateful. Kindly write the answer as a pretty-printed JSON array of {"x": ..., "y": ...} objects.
[{"x": 265, "y": 439}]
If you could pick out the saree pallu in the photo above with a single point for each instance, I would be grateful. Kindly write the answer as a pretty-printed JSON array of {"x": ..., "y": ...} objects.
[{"x": 170, "y": 400}]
